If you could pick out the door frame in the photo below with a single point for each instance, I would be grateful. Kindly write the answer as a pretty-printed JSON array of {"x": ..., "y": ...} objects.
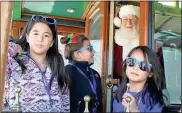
[
  {"x": 107, "y": 29},
  {"x": 104, "y": 37},
  {"x": 144, "y": 23},
  {"x": 6, "y": 13},
  {"x": 143, "y": 41}
]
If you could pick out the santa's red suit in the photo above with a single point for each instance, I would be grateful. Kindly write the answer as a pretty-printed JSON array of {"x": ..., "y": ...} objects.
[{"x": 123, "y": 44}]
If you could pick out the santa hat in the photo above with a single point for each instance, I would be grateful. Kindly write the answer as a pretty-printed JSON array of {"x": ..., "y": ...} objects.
[{"x": 124, "y": 11}]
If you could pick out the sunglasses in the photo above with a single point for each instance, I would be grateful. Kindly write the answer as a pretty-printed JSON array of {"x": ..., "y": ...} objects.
[
  {"x": 89, "y": 48},
  {"x": 143, "y": 65},
  {"x": 46, "y": 19}
]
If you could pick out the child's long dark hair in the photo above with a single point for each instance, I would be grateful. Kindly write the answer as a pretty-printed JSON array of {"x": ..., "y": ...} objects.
[
  {"x": 54, "y": 58},
  {"x": 153, "y": 84}
]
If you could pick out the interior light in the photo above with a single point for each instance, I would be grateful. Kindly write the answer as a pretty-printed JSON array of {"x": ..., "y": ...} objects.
[
  {"x": 170, "y": 30},
  {"x": 71, "y": 10}
]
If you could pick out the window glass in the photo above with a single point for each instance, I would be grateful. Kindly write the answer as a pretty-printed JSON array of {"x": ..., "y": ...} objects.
[
  {"x": 168, "y": 3},
  {"x": 167, "y": 41},
  {"x": 180, "y": 4},
  {"x": 94, "y": 35}
]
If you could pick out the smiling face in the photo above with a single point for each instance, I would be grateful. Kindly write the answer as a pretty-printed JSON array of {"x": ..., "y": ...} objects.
[
  {"x": 134, "y": 73},
  {"x": 129, "y": 22},
  {"x": 40, "y": 38}
]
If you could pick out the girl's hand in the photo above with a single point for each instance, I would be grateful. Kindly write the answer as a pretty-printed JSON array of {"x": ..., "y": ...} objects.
[
  {"x": 132, "y": 105},
  {"x": 19, "y": 49}
]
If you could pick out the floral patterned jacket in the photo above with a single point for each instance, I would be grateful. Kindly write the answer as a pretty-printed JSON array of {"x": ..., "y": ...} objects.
[{"x": 33, "y": 96}]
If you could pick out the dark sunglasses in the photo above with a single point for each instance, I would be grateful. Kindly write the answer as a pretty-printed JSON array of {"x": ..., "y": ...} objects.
[
  {"x": 46, "y": 19},
  {"x": 89, "y": 48},
  {"x": 143, "y": 65}
]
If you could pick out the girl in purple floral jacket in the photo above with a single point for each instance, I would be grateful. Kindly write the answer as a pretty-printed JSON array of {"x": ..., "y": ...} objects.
[{"x": 35, "y": 65}]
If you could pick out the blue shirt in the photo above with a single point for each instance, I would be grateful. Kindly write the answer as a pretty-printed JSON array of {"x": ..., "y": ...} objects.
[{"x": 118, "y": 107}]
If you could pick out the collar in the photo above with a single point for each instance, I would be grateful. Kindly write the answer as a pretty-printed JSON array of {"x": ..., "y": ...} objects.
[{"x": 83, "y": 65}]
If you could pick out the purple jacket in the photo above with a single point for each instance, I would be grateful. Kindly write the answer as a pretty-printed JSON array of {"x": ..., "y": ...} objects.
[
  {"x": 33, "y": 96},
  {"x": 118, "y": 107}
]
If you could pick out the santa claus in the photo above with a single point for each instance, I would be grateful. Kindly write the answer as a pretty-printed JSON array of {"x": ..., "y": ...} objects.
[{"x": 127, "y": 36}]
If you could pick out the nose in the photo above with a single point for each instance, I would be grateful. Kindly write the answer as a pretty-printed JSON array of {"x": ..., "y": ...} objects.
[
  {"x": 129, "y": 21},
  {"x": 136, "y": 67},
  {"x": 40, "y": 38},
  {"x": 93, "y": 51}
]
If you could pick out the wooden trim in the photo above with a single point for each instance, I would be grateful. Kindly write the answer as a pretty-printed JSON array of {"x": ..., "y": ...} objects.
[
  {"x": 15, "y": 32},
  {"x": 22, "y": 7},
  {"x": 6, "y": 14},
  {"x": 94, "y": 6},
  {"x": 104, "y": 37},
  {"x": 56, "y": 17},
  {"x": 87, "y": 24},
  {"x": 87, "y": 9},
  {"x": 144, "y": 23},
  {"x": 105, "y": 32},
  {"x": 110, "y": 60},
  {"x": 87, "y": 21},
  {"x": 17, "y": 25},
  {"x": 70, "y": 29}
]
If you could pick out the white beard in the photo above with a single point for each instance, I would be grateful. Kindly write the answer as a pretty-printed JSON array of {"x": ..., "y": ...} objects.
[
  {"x": 127, "y": 39},
  {"x": 123, "y": 37}
]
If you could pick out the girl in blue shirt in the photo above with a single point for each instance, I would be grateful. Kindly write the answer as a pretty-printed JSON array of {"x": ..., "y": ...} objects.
[{"x": 142, "y": 71}]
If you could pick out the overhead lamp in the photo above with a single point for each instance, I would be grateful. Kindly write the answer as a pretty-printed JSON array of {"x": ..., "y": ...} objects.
[
  {"x": 71, "y": 10},
  {"x": 170, "y": 30}
]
